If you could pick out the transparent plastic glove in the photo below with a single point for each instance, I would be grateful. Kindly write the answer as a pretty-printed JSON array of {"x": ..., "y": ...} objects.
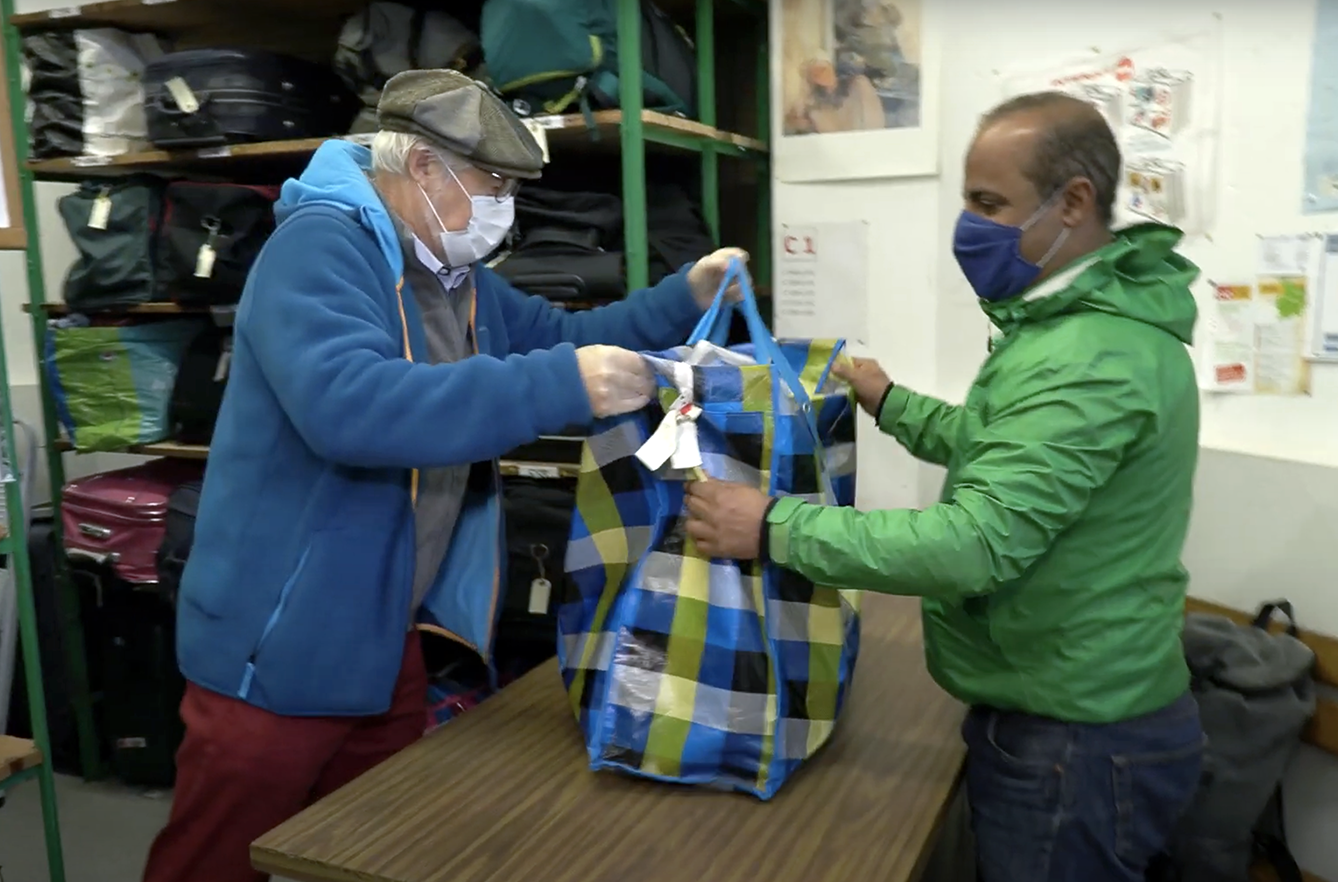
[
  {"x": 706, "y": 274},
  {"x": 616, "y": 380}
]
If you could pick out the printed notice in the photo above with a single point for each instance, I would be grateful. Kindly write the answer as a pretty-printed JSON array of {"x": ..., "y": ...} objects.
[{"x": 822, "y": 281}]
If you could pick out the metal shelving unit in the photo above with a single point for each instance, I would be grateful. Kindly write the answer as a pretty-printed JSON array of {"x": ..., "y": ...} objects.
[{"x": 633, "y": 131}]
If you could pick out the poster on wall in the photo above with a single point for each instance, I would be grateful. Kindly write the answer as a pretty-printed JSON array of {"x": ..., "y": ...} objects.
[
  {"x": 854, "y": 89},
  {"x": 1257, "y": 332},
  {"x": 1320, "y": 192},
  {"x": 1162, "y": 102},
  {"x": 1324, "y": 305}
]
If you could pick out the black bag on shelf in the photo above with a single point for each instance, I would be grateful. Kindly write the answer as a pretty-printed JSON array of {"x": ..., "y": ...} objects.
[
  {"x": 215, "y": 97},
  {"x": 566, "y": 246},
  {"x": 538, "y": 521},
  {"x": 197, "y": 393},
  {"x": 209, "y": 237},
  {"x": 84, "y": 91},
  {"x": 113, "y": 223},
  {"x": 178, "y": 536},
  {"x": 675, "y": 229},
  {"x": 387, "y": 38}
]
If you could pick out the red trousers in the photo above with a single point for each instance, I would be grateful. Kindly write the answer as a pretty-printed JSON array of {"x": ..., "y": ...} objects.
[{"x": 242, "y": 771}]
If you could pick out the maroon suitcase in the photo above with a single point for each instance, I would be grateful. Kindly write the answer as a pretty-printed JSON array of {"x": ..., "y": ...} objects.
[{"x": 118, "y": 517}]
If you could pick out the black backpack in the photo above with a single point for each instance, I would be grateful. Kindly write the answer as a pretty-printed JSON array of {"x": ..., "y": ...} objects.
[{"x": 1256, "y": 692}]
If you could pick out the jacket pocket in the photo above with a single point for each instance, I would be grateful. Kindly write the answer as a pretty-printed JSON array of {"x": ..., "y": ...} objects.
[{"x": 334, "y": 643}]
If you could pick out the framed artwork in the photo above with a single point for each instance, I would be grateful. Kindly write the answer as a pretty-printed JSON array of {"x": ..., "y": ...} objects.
[{"x": 854, "y": 89}]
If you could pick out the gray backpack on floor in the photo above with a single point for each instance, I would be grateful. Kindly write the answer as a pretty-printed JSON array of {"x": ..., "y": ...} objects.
[{"x": 1256, "y": 692}]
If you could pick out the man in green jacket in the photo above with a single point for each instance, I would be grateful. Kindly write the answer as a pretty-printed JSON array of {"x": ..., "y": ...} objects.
[{"x": 1050, "y": 568}]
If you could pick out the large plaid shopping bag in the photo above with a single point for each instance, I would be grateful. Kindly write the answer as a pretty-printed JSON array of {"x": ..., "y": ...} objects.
[{"x": 684, "y": 669}]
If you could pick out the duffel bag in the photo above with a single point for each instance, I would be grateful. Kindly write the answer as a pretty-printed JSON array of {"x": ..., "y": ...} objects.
[
  {"x": 113, "y": 224},
  {"x": 214, "y": 97},
  {"x": 112, "y": 384},
  {"x": 743, "y": 702},
  {"x": 209, "y": 237}
]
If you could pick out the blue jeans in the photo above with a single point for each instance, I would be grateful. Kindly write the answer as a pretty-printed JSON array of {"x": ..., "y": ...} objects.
[{"x": 1064, "y": 802}]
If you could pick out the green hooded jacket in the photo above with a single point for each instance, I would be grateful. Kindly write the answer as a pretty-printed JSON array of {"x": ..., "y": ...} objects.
[{"x": 1050, "y": 568}]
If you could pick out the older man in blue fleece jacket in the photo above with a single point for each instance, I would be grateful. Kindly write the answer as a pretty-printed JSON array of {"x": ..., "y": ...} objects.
[{"x": 377, "y": 372}]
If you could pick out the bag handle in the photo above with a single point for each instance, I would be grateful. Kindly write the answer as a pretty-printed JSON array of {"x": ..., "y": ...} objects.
[
  {"x": 766, "y": 351},
  {"x": 1265, "y": 616}
]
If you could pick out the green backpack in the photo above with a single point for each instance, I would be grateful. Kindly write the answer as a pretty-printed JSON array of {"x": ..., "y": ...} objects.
[{"x": 560, "y": 56}]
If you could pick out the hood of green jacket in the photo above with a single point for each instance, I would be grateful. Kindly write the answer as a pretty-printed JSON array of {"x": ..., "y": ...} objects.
[{"x": 1138, "y": 275}]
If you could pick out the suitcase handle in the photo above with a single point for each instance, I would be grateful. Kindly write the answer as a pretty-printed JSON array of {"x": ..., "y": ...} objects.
[{"x": 194, "y": 124}]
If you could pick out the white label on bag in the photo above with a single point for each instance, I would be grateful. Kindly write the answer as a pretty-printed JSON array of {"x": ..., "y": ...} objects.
[
  {"x": 101, "y": 213},
  {"x": 663, "y": 441},
  {"x": 182, "y": 95},
  {"x": 204, "y": 261},
  {"x": 540, "y": 589},
  {"x": 540, "y": 136}
]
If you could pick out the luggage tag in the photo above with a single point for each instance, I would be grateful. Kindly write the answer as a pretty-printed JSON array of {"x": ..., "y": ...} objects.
[
  {"x": 204, "y": 258},
  {"x": 674, "y": 441},
  {"x": 540, "y": 135},
  {"x": 540, "y": 589},
  {"x": 182, "y": 95},
  {"x": 101, "y": 212}
]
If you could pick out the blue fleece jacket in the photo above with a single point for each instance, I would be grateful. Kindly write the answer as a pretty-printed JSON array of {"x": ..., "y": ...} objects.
[{"x": 296, "y": 596}]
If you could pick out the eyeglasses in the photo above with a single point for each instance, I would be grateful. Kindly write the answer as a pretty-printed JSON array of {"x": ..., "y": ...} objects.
[{"x": 501, "y": 188}]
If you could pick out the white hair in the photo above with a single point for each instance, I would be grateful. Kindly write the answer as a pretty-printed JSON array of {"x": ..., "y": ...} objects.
[{"x": 391, "y": 152}]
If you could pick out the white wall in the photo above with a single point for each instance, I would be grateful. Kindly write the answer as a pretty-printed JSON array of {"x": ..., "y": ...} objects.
[{"x": 1263, "y": 525}]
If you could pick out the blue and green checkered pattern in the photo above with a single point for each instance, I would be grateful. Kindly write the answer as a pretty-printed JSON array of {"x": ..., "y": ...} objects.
[{"x": 723, "y": 673}]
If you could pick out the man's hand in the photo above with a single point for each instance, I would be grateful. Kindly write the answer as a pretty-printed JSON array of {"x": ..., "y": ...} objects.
[
  {"x": 868, "y": 380},
  {"x": 725, "y": 520},
  {"x": 706, "y": 274}
]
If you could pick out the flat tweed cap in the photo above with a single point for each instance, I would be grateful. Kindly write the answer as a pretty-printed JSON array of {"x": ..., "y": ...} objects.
[{"x": 453, "y": 111}]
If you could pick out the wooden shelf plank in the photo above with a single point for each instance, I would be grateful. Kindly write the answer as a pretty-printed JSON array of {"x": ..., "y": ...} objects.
[
  {"x": 164, "y": 448},
  {"x": 17, "y": 755},
  {"x": 286, "y": 156},
  {"x": 172, "y": 449},
  {"x": 138, "y": 309}
]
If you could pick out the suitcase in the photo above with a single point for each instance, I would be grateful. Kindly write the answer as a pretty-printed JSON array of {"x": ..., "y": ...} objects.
[
  {"x": 215, "y": 97},
  {"x": 142, "y": 685},
  {"x": 119, "y": 517}
]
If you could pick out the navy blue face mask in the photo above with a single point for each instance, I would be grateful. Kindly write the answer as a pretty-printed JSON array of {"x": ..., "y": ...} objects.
[{"x": 990, "y": 253}]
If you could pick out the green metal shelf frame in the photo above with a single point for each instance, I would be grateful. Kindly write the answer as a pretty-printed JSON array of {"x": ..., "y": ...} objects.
[
  {"x": 15, "y": 544},
  {"x": 634, "y": 135},
  {"x": 71, "y": 625}
]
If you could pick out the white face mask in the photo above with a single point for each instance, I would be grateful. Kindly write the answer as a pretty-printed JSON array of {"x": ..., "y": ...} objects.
[{"x": 490, "y": 220}]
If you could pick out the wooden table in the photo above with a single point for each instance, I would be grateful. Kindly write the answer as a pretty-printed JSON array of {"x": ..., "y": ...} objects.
[{"x": 503, "y": 794}]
